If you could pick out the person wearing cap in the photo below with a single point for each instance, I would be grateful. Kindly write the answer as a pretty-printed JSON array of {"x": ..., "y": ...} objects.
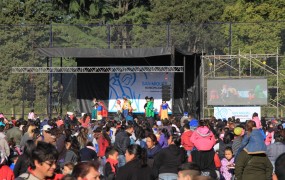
[
  {"x": 238, "y": 132},
  {"x": 46, "y": 134}
]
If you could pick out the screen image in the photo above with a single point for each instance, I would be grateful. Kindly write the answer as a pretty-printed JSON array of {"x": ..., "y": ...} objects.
[
  {"x": 237, "y": 92},
  {"x": 136, "y": 86}
]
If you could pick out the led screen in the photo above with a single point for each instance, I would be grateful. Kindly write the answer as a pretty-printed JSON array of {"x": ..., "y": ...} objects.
[{"x": 237, "y": 92}]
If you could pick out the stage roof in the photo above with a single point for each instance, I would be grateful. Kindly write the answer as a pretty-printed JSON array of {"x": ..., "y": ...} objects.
[{"x": 104, "y": 53}]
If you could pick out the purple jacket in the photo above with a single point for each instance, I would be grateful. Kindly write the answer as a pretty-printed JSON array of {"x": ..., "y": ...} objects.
[
  {"x": 225, "y": 171},
  {"x": 163, "y": 141}
]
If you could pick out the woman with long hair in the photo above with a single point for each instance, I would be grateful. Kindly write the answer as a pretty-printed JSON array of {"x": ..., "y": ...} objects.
[
  {"x": 136, "y": 165},
  {"x": 82, "y": 137},
  {"x": 28, "y": 135},
  {"x": 85, "y": 120},
  {"x": 72, "y": 150},
  {"x": 23, "y": 161}
]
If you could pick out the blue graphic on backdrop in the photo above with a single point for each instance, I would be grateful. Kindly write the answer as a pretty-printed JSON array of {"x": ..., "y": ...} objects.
[
  {"x": 222, "y": 112},
  {"x": 121, "y": 85}
]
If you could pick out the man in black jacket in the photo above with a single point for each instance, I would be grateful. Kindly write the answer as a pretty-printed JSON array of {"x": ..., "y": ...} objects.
[{"x": 122, "y": 141}]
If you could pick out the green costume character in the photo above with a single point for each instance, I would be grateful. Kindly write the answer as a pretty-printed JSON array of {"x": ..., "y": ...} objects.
[{"x": 150, "y": 108}]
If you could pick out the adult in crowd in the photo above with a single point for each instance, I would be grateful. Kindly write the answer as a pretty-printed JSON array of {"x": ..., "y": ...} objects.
[
  {"x": 252, "y": 162},
  {"x": 4, "y": 147},
  {"x": 238, "y": 133},
  {"x": 15, "y": 133},
  {"x": 277, "y": 148},
  {"x": 188, "y": 171},
  {"x": 253, "y": 166},
  {"x": 72, "y": 153},
  {"x": 42, "y": 164},
  {"x": 86, "y": 171},
  {"x": 279, "y": 167},
  {"x": 167, "y": 161},
  {"x": 153, "y": 148},
  {"x": 208, "y": 161},
  {"x": 88, "y": 153},
  {"x": 23, "y": 161},
  {"x": 136, "y": 167},
  {"x": 122, "y": 141}
]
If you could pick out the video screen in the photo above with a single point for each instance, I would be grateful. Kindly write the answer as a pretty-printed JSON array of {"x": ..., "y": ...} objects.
[{"x": 237, "y": 92}]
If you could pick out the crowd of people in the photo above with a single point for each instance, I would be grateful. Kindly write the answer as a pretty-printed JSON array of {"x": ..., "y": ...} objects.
[{"x": 143, "y": 148}]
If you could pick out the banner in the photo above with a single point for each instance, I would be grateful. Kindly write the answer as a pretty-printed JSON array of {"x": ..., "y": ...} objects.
[
  {"x": 243, "y": 113},
  {"x": 136, "y": 86}
]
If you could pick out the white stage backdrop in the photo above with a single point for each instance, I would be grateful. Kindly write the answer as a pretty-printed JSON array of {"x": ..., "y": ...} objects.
[
  {"x": 243, "y": 113},
  {"x": 136, "y": 86}
]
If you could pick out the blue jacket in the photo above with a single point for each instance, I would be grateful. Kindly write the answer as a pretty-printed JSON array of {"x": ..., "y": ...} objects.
[{"x": 254, "y": 143}]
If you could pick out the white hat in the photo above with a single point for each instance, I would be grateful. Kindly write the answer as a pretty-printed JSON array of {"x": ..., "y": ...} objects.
[{"x": 46, "y": 127}]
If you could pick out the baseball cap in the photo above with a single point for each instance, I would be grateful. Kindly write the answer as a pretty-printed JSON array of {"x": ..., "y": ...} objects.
[{"x": 46, "y": 128}]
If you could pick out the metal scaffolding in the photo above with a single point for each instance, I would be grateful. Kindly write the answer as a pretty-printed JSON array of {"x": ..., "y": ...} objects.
[
  {"x": 116, "y": 69},
  {"x": 242, "y": 66}
]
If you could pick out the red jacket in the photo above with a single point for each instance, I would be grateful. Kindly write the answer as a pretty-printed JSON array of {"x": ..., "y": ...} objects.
[
  {"x": 6, "y": 173},
  {"x": 185, "y": 140},
  {"x": 103, "y": 144}
]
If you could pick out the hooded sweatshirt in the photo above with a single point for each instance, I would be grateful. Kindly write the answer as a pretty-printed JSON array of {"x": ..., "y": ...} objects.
[{"x": 203, "y": 138}]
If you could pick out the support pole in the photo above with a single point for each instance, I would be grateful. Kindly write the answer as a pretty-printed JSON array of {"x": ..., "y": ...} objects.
[
  {"x": 61, "y": 90},
  {"x": 168, "y": 34},
  {"x": 250, "y": 63},
  {"x": 239, "y": 63},
  {"x": 214, "y": 63},
  {"x": 50, "y": 75},
  {"x": 202, "y": 88},
  {"x": 109, "y": 36},
  {"x": 277, "y": 83},
  {"x": 184, "y": 84}
]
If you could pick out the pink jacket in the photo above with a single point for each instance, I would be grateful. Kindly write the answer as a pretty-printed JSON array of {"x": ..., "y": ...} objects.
[
  {"x": 203, "y": 138},
  {"x": 257, "y": 122}
]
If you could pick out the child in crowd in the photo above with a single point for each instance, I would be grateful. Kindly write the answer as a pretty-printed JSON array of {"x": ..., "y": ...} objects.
[
  {"x": 227, "y": 164},
  {"x": 67, "y": 168},
  {"x": 111, "y": 166},
  {"x": 203, "y": 138}
]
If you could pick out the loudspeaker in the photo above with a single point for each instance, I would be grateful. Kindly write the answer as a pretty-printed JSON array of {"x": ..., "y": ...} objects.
[
  {"x": 30, "y": 92},
  {"x": 166, "y": 92}
]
